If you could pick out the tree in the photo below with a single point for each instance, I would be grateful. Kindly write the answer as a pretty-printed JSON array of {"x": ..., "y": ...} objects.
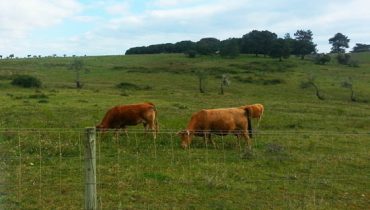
[
  {"x": 184, "y": 46},
  {"x": 202, "y": 76},
  {"x": 77, "y": 65},
  {"x": 257, "y": 42},
  {"x": 224, "y": 82},
  {"x": 229, "y": 48},
  {"x": 343, "y": 58},
  {"x": 191, "y": 53},
  {"x": 290, "y": 41},
  {"x": 268, "y": 38},
  {"x": 361, "y": 48},
  {"x": 339, "y": 42},
  {"x": 208, "y": 46},
  {"x": 303, "y": 44},
  {"x": 280, "y": 49},
  {"x": 249, "y": 43},
  {"x": 312, "y": 82},
  {"x": 26, "y": 81},
  {"x": 11, "y": 56},
  {"x": 349, "y": 85},
  {"x": 322, "y": 58}
]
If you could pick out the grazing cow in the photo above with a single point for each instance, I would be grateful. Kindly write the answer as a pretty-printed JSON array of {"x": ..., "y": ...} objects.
[
  {"x": 256, "y": 111},
  {"x": 133, "y": 114},
  {"x": 225, "y": 121}
]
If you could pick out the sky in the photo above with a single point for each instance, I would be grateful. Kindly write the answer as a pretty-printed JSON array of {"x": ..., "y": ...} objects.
[{"x": 110, "y": 27}]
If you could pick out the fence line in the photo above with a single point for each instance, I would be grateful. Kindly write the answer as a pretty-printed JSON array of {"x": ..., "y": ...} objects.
[
  {"x": 174, "y": 131},
  {"x": 45, "y": 168},
  {"x": 20, "y": 169}
]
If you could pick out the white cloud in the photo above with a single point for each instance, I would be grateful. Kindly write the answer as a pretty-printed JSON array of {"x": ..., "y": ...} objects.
[
  {"x": 26, "y": 14},
  {"x": 176, "y": 20},
  {"x": 86, "y": 18},
  {"x": 19, "y": 18},
  {"x": 172, "y": 3},
  {"x": 195, "y": 12},
  {"x": 112, "y": 26},
  {"x": 118, "y": 8},
  {"x": 125, "y": 22}
]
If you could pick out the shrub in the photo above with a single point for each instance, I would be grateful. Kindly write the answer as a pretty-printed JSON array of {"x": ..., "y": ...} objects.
[
  {"x": 343, "y": 58},
  {"x": 191, "y": 53},
  {"x": 128, "y": 86},
  {"x": 38, "y": 96},
  {"x": 353, "y": 63},
  {"x": 26, "y": 81},
  {"x": 43, "y": 101},
  {"x": 180, "y": 106},
  {"x": 322, "y": 59},
  {"x": 131, "y": 86}
]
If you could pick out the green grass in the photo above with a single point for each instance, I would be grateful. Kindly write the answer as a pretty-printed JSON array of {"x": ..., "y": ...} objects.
[{"x": 309, "y": 154}]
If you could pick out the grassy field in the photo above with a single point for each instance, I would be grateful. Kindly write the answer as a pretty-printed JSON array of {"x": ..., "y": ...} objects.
[{"x": 308, "y": 153}]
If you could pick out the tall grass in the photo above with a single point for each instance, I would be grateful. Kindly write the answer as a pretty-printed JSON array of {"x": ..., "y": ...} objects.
[{"x": 295, "y": 163}]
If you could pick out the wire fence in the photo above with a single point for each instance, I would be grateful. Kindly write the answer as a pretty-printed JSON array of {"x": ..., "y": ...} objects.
[{"x": 44, "y": 169}]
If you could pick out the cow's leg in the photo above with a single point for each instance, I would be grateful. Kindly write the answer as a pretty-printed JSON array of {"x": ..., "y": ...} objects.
[
  {"x": 115, "y": 133},
  {"x": 238, "y": 136},
  {"x": 213, "y": 142},
  {"x": 205, "y": 139},
  {"x": 146, "y": 128},
  {"x": 125, "y": 130},
  {"x": 208, "y": 138},
  {"x": 248, "y": 142},
  {"x": 152, "y": 127},
  {"x": 259, "y": 119}
]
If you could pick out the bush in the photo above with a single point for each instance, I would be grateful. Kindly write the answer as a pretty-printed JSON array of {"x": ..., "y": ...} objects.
[
  {"x": 322, "y": 59},
  {"x": 343, "y": 59},
  {"x": 191, "y": 53},
  {"x": 128, "y": 86},
  {"x": 131, "y": 86},
  {"x": 26, "y": 81},
  {"x": 353, "y": 63},
  {"x": 39, "y": 96}
]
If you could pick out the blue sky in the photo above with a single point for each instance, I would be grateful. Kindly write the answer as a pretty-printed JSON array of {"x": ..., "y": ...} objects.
[{"x": 106, "y": 27}]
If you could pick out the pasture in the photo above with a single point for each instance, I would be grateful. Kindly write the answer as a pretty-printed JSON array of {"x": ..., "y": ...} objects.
[{"x": 307, "y": 153}]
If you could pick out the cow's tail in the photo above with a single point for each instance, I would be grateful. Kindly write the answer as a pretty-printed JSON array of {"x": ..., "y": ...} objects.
[
  {"x": 260, "y": 117},
  {"x": 155, "y": 120},
  {"x": 248, "y": 114}
]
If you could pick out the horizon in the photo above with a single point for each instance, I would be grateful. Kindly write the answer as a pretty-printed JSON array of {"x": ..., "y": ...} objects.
[{"x": 110, "y": 27}]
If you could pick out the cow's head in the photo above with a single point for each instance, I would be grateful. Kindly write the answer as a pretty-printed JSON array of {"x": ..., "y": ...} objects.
[
  {"x": 185, "y": 136},
  {"x": 100, "y": 128}
]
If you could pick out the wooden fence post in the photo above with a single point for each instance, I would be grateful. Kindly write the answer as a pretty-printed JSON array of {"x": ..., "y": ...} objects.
[{"x": 90, "y": 169}]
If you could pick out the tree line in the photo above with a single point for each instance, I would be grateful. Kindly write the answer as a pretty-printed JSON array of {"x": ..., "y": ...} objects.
[{"x": 256, "y": 42}]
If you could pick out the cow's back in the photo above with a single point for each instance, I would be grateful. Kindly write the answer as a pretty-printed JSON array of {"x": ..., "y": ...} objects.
[
  {"x": 219, "y": 119},
  {"x": 123, "y": 115},
  {"x": 226, "y": 119}
]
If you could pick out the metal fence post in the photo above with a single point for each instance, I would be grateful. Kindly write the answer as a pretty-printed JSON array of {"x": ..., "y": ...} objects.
[{"x": 90, "y": 169}]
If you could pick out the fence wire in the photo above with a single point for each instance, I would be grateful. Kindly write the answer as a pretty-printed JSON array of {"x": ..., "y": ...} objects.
[{"x": 43, "y": 169}]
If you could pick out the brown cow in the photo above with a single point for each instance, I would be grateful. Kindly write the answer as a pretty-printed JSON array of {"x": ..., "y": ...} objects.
[
  {"x": 218, "y": 121},
  {"x": 133, "y": 114},
  {"x": 256, "y": 111}
]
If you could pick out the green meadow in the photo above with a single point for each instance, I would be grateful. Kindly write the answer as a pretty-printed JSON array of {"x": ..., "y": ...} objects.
[{"x": 307, "y": 153}]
